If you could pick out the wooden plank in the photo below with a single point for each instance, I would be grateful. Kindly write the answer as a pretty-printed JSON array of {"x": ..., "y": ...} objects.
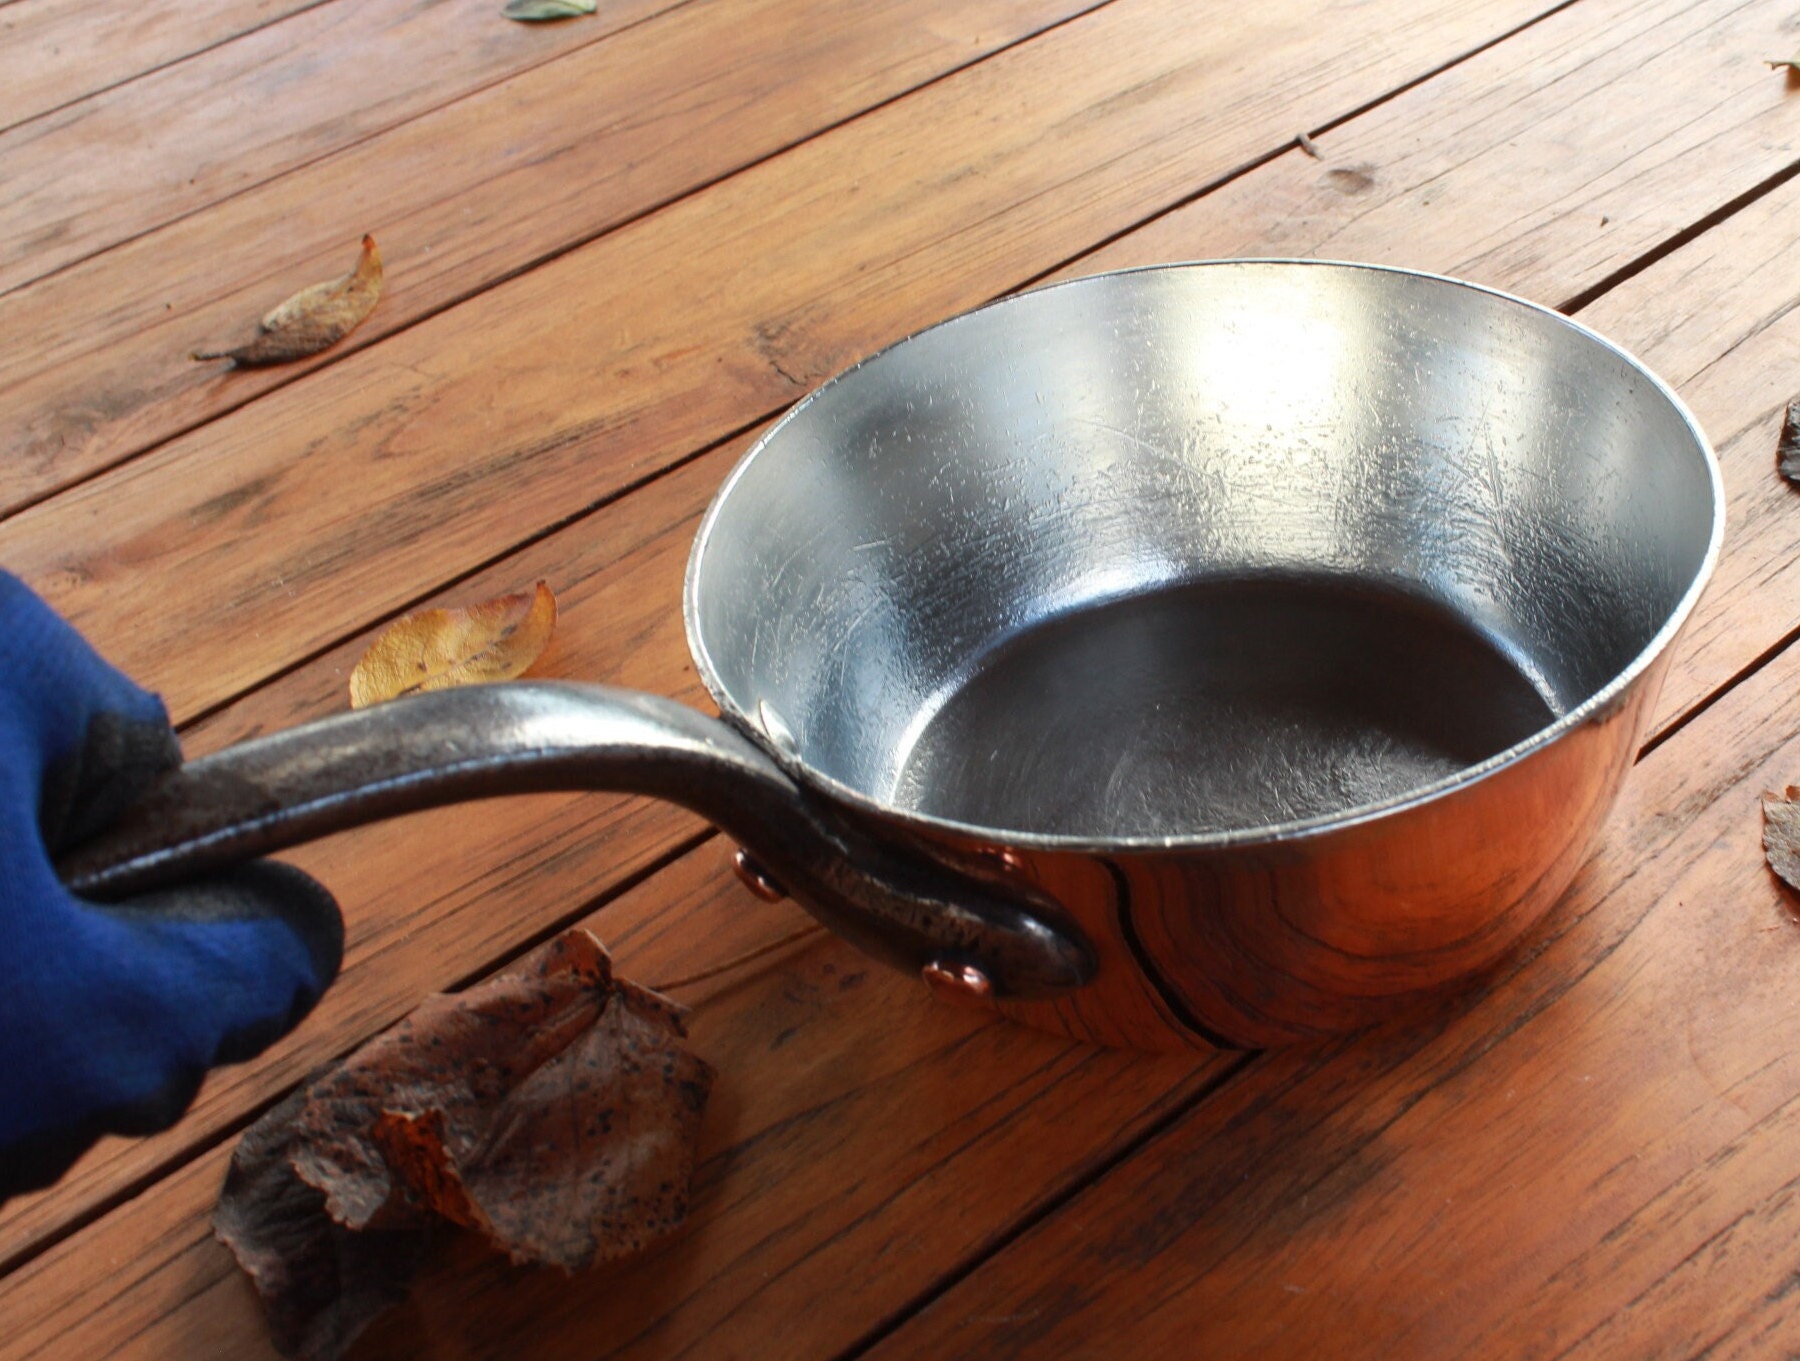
[
  {"x": 852, "y": 1152},
  {"x": 628, "y": 631},
  {"x": 587, "y": 141},
  {"x": 53, "y": 52},
  {"x": 476, "y": 428},
  {"x": 125, "y": 161},
  {"x": 1593, "y": 1158},
  {"x": 1543, "y": 164}
]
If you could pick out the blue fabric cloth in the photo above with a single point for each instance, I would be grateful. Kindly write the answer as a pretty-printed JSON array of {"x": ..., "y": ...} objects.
[{"x": 110, "y": 1014}]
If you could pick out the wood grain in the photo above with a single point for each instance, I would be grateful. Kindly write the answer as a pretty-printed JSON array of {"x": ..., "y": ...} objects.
[
  {"x": 1719, "y": 320},
  {"x": 476, "y": 428},
  {"x": 849, "y": 1151},
  {"x": 53, "y": 52},
  {"x": 1543, "y": 164},
  {"x": 602, "y": 134},
  {"x": 125, "y": 161}
]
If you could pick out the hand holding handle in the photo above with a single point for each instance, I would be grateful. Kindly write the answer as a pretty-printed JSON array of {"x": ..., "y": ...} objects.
[{"x": 533, "y": 737}]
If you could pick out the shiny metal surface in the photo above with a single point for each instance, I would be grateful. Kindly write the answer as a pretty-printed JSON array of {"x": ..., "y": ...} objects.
[
  {"x": 961, "y": 986},
  {"x": 1259, "y": 645},
  {"x": 1293, "y": 622}
]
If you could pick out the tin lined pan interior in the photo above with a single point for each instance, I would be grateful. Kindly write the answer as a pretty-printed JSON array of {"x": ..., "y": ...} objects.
[{"x": 1185, "y": 551}]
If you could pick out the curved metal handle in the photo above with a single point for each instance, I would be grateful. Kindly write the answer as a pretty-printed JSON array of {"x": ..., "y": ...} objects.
[{"x": 541, "y": 736}]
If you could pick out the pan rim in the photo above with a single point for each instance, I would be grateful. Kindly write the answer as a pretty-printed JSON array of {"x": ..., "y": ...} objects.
[{"x": 1595, "y": 706}]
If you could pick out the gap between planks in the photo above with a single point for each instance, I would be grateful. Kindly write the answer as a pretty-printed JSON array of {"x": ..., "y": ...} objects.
[
  {"x": 112, "y": 80},
  {"x": 76, "y": 206}
]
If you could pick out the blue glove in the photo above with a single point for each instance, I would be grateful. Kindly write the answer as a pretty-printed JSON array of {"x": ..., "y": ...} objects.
[{"x": 110, "y": 1014}]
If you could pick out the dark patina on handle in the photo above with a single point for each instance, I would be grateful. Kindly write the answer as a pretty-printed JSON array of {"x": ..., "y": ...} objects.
[{"x": 544, "y": 736}]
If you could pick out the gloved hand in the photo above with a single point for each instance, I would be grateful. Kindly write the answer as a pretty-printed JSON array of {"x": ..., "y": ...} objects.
[{"x": 110, "y": 1014}]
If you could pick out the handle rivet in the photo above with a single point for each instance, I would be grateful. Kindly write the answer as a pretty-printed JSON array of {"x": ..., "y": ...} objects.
[
  {"x": 962, "y": 984},
  {"x": 757, "y": 879},
  {"x": 1008, "y": 859}
]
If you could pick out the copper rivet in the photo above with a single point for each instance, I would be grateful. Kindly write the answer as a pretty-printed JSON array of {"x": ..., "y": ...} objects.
[
  {"x": 757, "y": 879},
  {"x": 960, "y": 983},
  {"x": 1003, "y": 858}
]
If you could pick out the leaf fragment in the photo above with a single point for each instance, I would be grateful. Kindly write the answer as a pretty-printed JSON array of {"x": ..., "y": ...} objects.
[
  {"x": 1781, "y": 834},
  {"x": 440, "y": 648},
  {"x": 553, "y": 1109},
  {"x": 1787, "y": 452},
  {"x": 538, "y": 11},
  {"x": 321, "y": 1284},
  {"x": 314, "y": 319},
  {"x": 1792, "y": 65}
]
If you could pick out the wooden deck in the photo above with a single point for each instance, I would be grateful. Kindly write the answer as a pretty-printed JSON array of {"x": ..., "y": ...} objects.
[{"x": 618, "y": 246}]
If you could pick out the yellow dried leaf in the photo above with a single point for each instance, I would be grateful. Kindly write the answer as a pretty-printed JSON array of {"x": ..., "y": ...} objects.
[
  {"x": 438, "y": 649},
  {"x": 314, "y": 318}
]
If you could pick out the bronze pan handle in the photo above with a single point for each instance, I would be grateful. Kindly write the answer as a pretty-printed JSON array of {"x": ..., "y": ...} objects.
[{"x": 425, "y": 751}]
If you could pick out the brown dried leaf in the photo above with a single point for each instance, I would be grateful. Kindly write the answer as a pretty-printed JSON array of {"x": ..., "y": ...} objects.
[
  {"x": 552, "y": 1109},
  {"x": 1787, "y": 452},
  {"x": 1781, "y": 834},
  {"x": 438, "y": 649},
  {"x": 320, "y": 1283},
  {"x": 313, "y": 319}
]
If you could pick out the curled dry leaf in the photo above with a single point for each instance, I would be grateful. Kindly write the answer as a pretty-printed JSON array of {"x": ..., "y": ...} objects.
[
  {"x": 437, "y": 649},
  {"x": 537, "y": 11},
  {"x": 1781, "y": 834},
  {"x": 314, "y": 318},
  {"x": 553, "y": 1110},
  {"x": 320, "y": 1283},
  {"x": 1787, "y": 452}
]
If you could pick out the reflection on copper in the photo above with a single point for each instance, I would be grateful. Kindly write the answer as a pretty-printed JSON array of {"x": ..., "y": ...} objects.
[
  {"x": 755, "y": 878},
  {"x": 962, "y": 984}
]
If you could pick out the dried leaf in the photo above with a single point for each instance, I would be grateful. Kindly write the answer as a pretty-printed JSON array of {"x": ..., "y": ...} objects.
[
  {"x": 552, "y": 1109},
  {"x": 314, "y": 318},
  {"x": 320, "y": 1283},
  {"x": 1781, "y": 834},
  {"x": 537, "y": 11},
  {"x": 1787, "y": 452},
  {"x": 437, "y": 649},
  {"x": 1792, "y": 65}
]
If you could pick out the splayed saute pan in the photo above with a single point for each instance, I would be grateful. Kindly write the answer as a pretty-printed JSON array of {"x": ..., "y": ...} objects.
[{"x": 1230, "y": 652}]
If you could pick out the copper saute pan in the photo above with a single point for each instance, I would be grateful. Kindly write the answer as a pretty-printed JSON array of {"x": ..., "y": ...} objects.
[{"x": 1227, "y": 653}]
